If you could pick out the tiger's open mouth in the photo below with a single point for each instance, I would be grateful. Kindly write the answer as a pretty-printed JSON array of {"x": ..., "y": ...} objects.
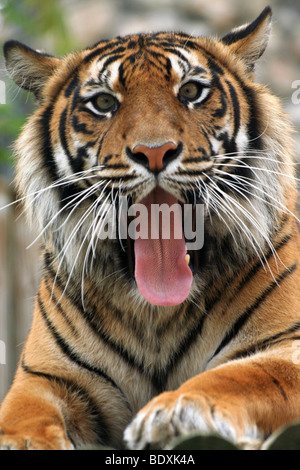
[{"x": 160, "y": 263}]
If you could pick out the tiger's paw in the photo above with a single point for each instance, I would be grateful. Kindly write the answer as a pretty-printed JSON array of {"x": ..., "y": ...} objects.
[
  {"x": 53, "y": 438},
  {"x": 171, "y": 415}
]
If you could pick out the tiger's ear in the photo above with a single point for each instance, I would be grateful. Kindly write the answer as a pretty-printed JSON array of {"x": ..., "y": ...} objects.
[
  {"x": 28, "y": 68},
  {"x": 249, "y": 41}
]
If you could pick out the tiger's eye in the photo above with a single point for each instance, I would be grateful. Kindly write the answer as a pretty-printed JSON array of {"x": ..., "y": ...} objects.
[
  {"x": 190, "y": 91},
  {"x": 105, "y": 102}
]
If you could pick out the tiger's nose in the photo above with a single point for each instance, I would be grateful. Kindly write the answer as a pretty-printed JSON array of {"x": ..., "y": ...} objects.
[{"x": 155, "y": 158}]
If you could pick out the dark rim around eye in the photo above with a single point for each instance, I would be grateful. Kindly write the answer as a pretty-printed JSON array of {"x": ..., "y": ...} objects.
[
  {"x": 105, "y": 109},
  {"x": 199, "y": 88}
]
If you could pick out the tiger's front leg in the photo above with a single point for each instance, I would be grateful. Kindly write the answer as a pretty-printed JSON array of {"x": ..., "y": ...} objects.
[
  {"x": 31, "y": 419},
  {"x": 243, "y": 402}
]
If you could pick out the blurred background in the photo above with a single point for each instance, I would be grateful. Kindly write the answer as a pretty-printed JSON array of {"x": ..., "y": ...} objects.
[{"x": 60, "y": 26}]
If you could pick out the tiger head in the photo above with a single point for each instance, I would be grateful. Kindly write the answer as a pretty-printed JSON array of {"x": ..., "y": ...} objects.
[{"x": 161, "y": 118}]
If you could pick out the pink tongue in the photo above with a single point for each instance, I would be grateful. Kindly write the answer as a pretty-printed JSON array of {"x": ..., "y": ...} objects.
[{"x": 161, "y": 272}]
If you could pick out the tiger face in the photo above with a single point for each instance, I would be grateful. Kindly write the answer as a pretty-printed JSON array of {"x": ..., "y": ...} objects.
[{"x": 158, "y": 118}]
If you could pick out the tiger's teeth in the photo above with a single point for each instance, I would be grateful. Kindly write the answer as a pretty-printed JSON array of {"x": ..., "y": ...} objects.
[{"x": 187, "y": 259}]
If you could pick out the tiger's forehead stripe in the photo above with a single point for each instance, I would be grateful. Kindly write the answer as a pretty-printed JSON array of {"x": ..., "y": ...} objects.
[
  {"x": 130, "y": 46},
  {"x": 124, "y": 59},
  {"x": 102, "y": 77}
]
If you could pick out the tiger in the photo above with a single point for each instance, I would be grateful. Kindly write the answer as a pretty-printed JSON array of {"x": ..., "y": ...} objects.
[{"x": 136, "y": 341}]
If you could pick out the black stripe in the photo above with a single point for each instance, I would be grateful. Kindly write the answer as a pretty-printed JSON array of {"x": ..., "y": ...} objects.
[
  {"x": 269, "y": 342},
  {"x": 277, "y": 336},
  {"x": 168, "y": 69},
  {"x": 279, "y": 386},
  {"x": 160, "y": 378},
  {"x": 246, "y": 279},
  {"x": 74, "y": 82},
  {"x": 189, "y": 172},
  {"x": 110, "y": 60},
  {"x": 245, "y": 316},
  {"x": 122, "y": 75},
  {"x": 99, "y": 426},
  {"x": 107, "y": 158},
  {"x": 274, "y": 381},
  {"x": 164, "y": 62},
  {"x": 62, "y": 135},
  {"x": 157, "y": 65},
  {"x": 186, "y": 44},
  {"x": 110, "y": 46},
  {"x": 65, "y": 191},
  {"x": 178, "y": 53},
  {"x": 202, "y": 102},
  {"x": 70, "y": 191},
  {"x": 76, "y": 163},
  {"x": 283, "y": 221},
  {"x": 67, "y": 351},
  {"x": 118, "y": 178},
  {"x": 214, "y": 67},
  {"x": 91, "y": 315},
  {"x": 102, "y": 137},
  {"x": 61, "y": 310},
  {"x": 80, "y": 126},
  {"x": 220, "y": 112},
  {"x": 116, "y": 166},
  {"x": 242, "y": 33},
  {"x": 254, "y": 125},
  {"x": 46, "y": 151},
  {"x": 236, "y": 107},
  {"x": 202, "y": 158},
  {"x": 259, "y": 265}
]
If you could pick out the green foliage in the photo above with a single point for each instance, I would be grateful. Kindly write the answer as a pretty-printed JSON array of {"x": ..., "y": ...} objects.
[
  {"x": 36, "y": 19},
  {"x": 36, "y": 24},
  {"x": 11, "y": 121}
]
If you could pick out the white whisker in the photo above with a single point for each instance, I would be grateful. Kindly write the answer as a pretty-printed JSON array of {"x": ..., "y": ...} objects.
[
  {"x": 94, "y": 230},
  {"x": 249, "y": 182},
  {"x": 260, "y": 169},
  {"x": 63, "y": 252},
  {"x": 60, "y": 182},
  {"x": 86, "y": 193},
  {"x": 247, "y": 232},
  {"x": 236, "y": 189}
]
